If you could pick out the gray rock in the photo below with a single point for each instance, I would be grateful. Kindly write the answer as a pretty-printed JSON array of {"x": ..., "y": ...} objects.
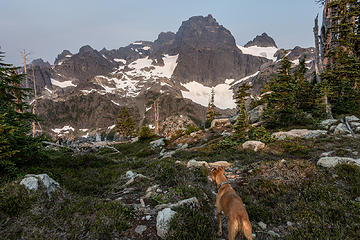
[
  {"x": 194, "y": 163},
  {"x": 168, "y": 154},
  {"x": 253, "y": 145},
  {"x": 32, "y": 182},
  {"x": 274, "y": 234},
  {"x": 355, "y": 125},
  {"x": 147, "y": 217},
  {"x": 262, "y": 225},
  {"x": 328, "y": 123},
  {"x": 299, "y": 133},
  {"x": 157, "y": 143},
  {"x": 191, "y": 202},
  {"x": 255, "y": 114},
  {"x": 327, "y": 154},
  {"x": 135, "y": 139},
  {"x": 352, "y": 118},
  {"x": 130, "y": 174},
  {"x": 341, "y": 129},
  {"x": 329, "y": 162},
  {"x": 163, "y": 222},
  {"x": 140, "y": 229},
  {"x": 357, "y": 199},
  {"x": 290, "y": 224}
]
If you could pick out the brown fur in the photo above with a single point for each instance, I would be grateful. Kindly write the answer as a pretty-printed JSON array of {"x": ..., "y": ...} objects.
[{"x": 228, "y": 201}]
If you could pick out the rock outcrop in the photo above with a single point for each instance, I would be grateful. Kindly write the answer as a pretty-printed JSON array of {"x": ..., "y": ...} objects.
[
  {"x": 40, "y": 181},
  {"x": 299, "y": 133}
]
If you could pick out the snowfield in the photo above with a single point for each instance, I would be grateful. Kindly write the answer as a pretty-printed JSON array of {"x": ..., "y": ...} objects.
[
  {"x": 223, "y": 98},
  {"x": 143, "y": 67},
  {"x": 64, "y": 84},
  {"x": 65, "y": 129},
  {"x": 201, "y": 94},
  {"x": 266, "y": 52}
]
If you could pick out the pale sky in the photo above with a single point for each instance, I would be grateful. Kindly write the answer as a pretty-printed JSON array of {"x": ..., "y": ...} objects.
[{"x": 46, "y": 27}]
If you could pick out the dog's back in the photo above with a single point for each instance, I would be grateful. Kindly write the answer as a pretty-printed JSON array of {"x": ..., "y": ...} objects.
[{"x": 234, "y": 209}]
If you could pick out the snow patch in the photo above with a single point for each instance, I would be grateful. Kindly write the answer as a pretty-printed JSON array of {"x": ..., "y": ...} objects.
[
  {"x": 201, "y": 94},
  {"x": 65, "y": 128},
  {"x": 137, "y": 43},
  {"x": 148, "y": 108},
  {"x": 117, "y": 104},
  {"x": 245, "y": 78},
  {"x": 111, "y": 127},
  {"x": 84, "y": 129},
  {"x": 143, "y": 67},
  {"x": 120, "y": 60},
  {"x": 64, "y": 84},
  {"x": 146, "y": 48},
  {"x": 68, "y": 56},
  {"x": 266, "y": 52}
]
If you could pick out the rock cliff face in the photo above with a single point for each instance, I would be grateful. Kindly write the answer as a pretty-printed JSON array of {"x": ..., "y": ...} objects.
[
  {"x": 208, "y": 53},
  {"x": 85, "y": 90}
]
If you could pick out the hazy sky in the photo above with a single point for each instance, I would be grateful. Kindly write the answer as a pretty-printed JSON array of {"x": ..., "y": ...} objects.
[{"x": 46, "y": 27}]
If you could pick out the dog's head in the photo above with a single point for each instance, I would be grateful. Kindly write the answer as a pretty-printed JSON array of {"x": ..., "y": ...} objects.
[{"x": 215, "y": 172}]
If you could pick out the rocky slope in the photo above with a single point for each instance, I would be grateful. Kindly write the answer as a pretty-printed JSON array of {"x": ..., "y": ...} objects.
[{"x": 85, "y": 90}]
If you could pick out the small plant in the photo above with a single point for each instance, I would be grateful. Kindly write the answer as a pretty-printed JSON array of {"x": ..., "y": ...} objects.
[
  {"x": 259, "y": 134},
  {"x": 191, "y": 128},
  {"x": 146, "y": 133}
]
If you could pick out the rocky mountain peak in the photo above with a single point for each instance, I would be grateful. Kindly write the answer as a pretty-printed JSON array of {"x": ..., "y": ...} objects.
[
  {"x": 40, "y": 63},
  {"x": 62, "y": 56},
  {"x": 262, "y": 40},
  {"x": 165, "y": 37},
  {"x": 204, "y": 32},
  {"x": 85, "y": 49}
]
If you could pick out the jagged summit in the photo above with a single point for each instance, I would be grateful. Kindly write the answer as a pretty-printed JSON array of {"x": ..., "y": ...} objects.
[
  {"x": 40, "y": 63},
  {"x": 262, "y": 40},
  {"x": 204, "y": 32},
  {"x": 85, "y": 49},
  {"x": 62, "y": 56}
]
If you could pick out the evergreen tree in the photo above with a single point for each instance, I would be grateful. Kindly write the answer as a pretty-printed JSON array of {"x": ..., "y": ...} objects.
[
  {"x": 16, "y": 144},
  {"x": 210, "y": 114},
  {"x": 341, "y": 77},
  {"x": 242, "y": 123},
  {"x": 125, "y": 125},
  {"x": 280, "y": 101},
  {"x": 304, "y": 98}
]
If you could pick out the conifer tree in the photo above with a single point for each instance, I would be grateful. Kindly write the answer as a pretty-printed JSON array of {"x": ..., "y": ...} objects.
[
  {"x": 16, "y": 144},
  {"x": 304, "y": 98},
  {"x": 280, "y": 99},
  {"x": 210, "y": 114},
  {"x": 125, "y": 125},
  {"x": 242, "y": 123}
]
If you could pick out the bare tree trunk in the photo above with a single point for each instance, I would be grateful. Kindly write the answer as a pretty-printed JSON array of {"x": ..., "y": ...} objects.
[
  {"x": 317, "y": 54},
  {"x": 35, "y": 102},
  {"x": 156, "y": 111}
]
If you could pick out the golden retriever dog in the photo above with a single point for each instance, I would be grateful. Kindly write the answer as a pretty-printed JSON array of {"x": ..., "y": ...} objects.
[{"x": 231, "y": 204}]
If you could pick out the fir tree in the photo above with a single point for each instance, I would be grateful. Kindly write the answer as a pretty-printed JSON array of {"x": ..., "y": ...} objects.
[
  {"x": 16, "y": 144},
  {"x": 211, "y": 113},
  {"x": 280, "y": 99},
  {"x": 125, "y": 125},
  {"x": 304, "y": 99},
  {"x": 242, "y": 124}
]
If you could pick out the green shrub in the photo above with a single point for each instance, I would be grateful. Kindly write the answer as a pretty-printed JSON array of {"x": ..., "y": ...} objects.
[
  {"x": 191, "y": 129},
  {"x": 259, "y": 134},
  {"x": 146, "y": 133}
]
